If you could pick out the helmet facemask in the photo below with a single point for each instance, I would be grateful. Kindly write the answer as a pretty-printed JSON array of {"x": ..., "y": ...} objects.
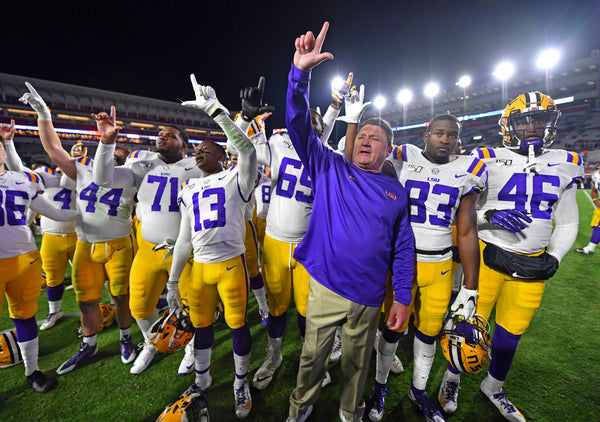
[{"x": 529, "y": 112}]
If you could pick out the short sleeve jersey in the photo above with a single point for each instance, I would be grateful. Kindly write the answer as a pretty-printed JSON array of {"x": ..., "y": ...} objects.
[
  {"x": 17, "y": 190},
  {"x": 596, "y": 179},
  {"x": 262, "y": 193},
  {"x": 158, "y": 185},
  {"x": 102, "y": 213},
  {"x": 435, "y": 192},
  {"x": 215, "y": 208},
  {"x": 291, "y": 190},
  {"x": 61, "y": 197},
  {"x": 535, "y": 192}
]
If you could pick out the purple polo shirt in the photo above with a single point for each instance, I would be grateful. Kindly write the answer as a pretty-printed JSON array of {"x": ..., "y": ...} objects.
[{"x": 359, "y": 228}]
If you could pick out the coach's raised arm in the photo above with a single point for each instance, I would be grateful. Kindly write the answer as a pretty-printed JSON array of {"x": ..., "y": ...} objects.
[{"x": 358, "y": 230}]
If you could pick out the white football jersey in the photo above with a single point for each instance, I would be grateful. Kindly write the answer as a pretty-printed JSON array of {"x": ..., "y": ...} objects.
[
  {"x": 435, "y": 191},
  {"x": 250, "y": 205},
  {"x": 291, "y": 189},
  {"x": 215, "y": 208},
  {"x": 103, "y": 213},
  {"x": 262, "y": 193},
  {"x": 596, "y": 179},
  {"x": 158, "y": 185},
  {"x": 511, "y": 186},
  {"x": 61, "y": 197},
  {"x": 17, "y": 190}
]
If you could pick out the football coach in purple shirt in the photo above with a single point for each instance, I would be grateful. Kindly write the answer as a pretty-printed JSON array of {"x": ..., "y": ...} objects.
[{"x": 359, "y": 230}]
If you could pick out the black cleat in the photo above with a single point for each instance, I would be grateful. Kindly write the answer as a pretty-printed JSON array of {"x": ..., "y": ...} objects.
[{"x": 40, "y": 382}]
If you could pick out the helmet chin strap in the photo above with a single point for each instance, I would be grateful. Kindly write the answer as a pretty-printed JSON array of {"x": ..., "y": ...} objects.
[
  {"x": 533, "y": 147},
  {"x": 531, "y": 167}
]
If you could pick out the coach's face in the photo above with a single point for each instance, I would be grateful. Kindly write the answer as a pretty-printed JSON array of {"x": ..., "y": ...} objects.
[{"x": 370, "y": 148}]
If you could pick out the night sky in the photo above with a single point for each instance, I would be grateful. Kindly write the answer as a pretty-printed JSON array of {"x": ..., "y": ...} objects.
[{"x": 150, "y": 48}]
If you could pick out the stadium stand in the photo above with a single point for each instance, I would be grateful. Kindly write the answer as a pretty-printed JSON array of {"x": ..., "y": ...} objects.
[
  {"x": 71, "y": 106},
  {"x": 576, "y": 82}
]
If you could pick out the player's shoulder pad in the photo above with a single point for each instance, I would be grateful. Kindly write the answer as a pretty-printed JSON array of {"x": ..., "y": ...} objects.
[
  {"x": 45, "y": 170},
  {"x": 574, "y": 158},
  {"x": 400, "y": 152},
  {"x": 477, "y": 166},
  {"x": 32, "y": 177},
  {"x": 484, "y": 153},
  {"x": 86, "y": 161}
]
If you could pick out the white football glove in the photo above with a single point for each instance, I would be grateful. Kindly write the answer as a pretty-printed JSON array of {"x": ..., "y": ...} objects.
[
  {"x": 355, "y": 105},
  {"x": 464, "y": 304},
  {"x": 173, "y": 296},
  {"x": 36, "y": 102},
  {"x": 168, "y": 244},
  {"x": 206, "y": 99}
]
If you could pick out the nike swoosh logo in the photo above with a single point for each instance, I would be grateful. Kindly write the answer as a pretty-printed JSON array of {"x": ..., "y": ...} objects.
[
  {"x": 230, "y": 268},
  {"x": 442, "y": 401},
  {"x": 190, "y": 366},
  {"x": 553, "y": 164},
  {"x": 221, "y": 178},
  {"x": 263, "y": 378},
  {"x": 31, "y": 262},
  {"x": 459, "y": 175},
  {"x": 353, "y": 178},
  {"x": 247, "y": 405},
  {"x": 19, "y": 183},
  {"x": 189, "y": 168},
  {"x": 120, "y": 249},
  {"x": 445, "y": 272}
]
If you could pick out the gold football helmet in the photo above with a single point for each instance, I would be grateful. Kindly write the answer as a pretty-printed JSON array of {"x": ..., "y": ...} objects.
[
  {"x": 532, "y": 110},
  {"x": 171, "y": 332},
  {"x": 78, "y": 150},
  {"x": 256, "y": 125},
  {"x": 10, "y": 354},
  {"x": 191, "y": 406},
  {"x": 466, "y": 343}
]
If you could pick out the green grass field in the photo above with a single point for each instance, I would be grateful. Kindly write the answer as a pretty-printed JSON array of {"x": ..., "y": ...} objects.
[{"x": 554, "y": 376}]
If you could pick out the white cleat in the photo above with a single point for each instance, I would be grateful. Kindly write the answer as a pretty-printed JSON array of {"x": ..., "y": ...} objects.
[
  {"x": 264, "y": 374},
  {"x": 336, "y": 350},
  {"x": 508, "y": 410},
  {"x": 243, "y": 400},
  {"x": 51, "y": 320},
  {"x": 143, "y": 360},
  {"x": 448, "y": 395},
  {"x": 188, "y": 363}
]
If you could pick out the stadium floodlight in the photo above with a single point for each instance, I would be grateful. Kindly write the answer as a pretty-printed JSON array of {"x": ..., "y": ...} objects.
[
  {"x": 464, "y": 81},
  {"x": 379, "y": 102},
  {"x": 431, "y": 90},
  {"x": 504, "y": 70},
  {"x": 404, "y": 96},
  {"x": 548, "y": 58}
]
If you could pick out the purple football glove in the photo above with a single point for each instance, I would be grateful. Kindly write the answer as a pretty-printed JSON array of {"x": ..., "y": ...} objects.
[{"x": 511, "y": 220}]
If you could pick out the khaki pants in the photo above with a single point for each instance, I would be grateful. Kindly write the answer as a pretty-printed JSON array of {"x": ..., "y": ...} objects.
[{"x": 325, "y": 311}]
